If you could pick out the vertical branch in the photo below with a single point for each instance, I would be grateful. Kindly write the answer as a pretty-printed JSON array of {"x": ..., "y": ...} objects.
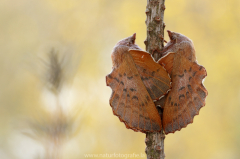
[
  {"x": 154, "y": 43},
  {"x": 155, "y": 27}
]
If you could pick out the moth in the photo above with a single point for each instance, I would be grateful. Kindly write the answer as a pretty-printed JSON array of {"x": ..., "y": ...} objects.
[
  {"x": 188, "y": 94},
  {"x": 137, "y": 81}
]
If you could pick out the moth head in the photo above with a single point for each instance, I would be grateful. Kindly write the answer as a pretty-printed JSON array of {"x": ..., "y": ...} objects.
[
  {"x": 122, "y": 47},
  {"x": 129, "y": 42},
  {"x": 172, "y": 35},
  {"x": 177, "y": 37}
]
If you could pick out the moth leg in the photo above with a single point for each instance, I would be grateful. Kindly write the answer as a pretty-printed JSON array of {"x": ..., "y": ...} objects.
[{"x": 161, "y": 37}]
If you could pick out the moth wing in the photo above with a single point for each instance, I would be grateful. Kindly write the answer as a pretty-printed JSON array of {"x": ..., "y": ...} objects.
[
  {"x": 153, "y": 75},
  {"x": 167, "y": 62},
  {"x": 187, "y": 96},
  {"x": 130, "y": 100}
]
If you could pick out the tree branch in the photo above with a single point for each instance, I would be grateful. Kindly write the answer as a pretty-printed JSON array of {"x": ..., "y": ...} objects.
[
  {"x": 154, "y": 44},
  {"x": 155, "y": 27}
]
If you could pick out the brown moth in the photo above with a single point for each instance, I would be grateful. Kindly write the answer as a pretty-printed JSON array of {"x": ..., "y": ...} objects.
[
  {"x": 188, "y": 94},
  {"x": 136, "y": 79}
]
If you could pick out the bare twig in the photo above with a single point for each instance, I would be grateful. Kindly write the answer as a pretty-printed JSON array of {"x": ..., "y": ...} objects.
[{"x": 154, "y": 44}]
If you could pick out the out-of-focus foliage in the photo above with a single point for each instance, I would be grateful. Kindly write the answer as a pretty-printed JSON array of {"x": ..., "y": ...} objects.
[{"x": 83, "y": 33}]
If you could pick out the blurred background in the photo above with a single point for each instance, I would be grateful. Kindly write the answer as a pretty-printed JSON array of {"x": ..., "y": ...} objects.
[{"x": 55, "y": 54}]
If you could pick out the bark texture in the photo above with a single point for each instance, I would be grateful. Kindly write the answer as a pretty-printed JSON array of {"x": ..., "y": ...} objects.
[
  {"x": 154, "y": 44},
  {"x": 155, "y": 27}
]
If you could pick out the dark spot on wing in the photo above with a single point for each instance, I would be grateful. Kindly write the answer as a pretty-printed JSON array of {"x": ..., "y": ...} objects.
[
  {"x": 181, "y": 75},
  {"x": 125, "y": 90},
  {"x": 124, "y": 74},
  {"x": 122, "y": 83},
  {"x": 130, "y": 77},
  {"x": 194, "y": 73},
  {"x": 147, "y": 98},
  {"x": 120, "y": 75},
  {"x": 144, "y": 78},
  {"x": 181, "y": 88},
  {"x": 144, "y": 70},
  {"x": 147, "y": 118},
  {"x": 190, "y": 69},
  {"x": 185, "y": 71},
  {"x": 116, "y": 79},
  {"x": 110, "y": 76},
  {"x": 132, "y": 89},
  {"x": 175, "y": 104},
  {"x": 190, "y": 88},
  {"x": 181, "y": 96},
  {"x": 201, "y": 67},
  {"x": 146, "y": 102},
  {"x": 190, "y": 78},
  {"x": 135, "y": 97},
  {"x": 153, "y": 73},
  {"x": 136, "y": 75}
]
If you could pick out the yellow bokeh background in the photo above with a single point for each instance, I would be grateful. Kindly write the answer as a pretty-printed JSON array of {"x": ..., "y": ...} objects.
[{"x": 86, "y": 31}]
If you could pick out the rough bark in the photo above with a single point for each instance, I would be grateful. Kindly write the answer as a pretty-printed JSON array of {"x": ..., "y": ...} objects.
[
  {"x": 155, "y": 27},
  {"x": 154, "y": 43}
]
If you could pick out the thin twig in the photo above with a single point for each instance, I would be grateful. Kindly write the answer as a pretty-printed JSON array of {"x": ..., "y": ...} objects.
[{"x": 154, "y": 44}]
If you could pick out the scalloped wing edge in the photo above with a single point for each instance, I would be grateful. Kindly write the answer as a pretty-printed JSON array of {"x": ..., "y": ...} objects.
[
  {"x": 121, "y": 119},
  {"x": 204, "y": 102}
]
